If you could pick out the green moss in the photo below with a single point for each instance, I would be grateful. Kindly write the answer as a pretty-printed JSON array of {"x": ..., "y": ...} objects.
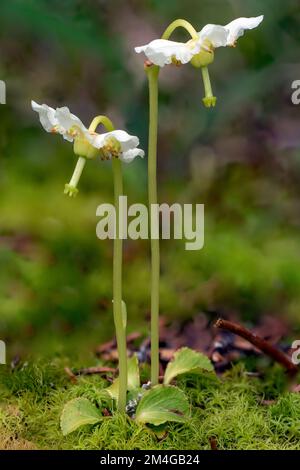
[{"x": 229, "y": 409}]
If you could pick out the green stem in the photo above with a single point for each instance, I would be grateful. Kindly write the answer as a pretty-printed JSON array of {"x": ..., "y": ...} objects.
[
  {"x": 117, "y": 288},
  {"x": 117, "y": 271},
  {"x": 104, "y": 120},
  {"x": 180, "y": 24},
  {"x": 153, "y": 73}
]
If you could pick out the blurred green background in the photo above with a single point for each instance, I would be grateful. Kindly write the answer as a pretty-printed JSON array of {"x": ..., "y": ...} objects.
[{"x": 242, "y": 160}]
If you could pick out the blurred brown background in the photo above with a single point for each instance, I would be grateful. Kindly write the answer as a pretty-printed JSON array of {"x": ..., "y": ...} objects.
[{"x": 241, "y": 160}]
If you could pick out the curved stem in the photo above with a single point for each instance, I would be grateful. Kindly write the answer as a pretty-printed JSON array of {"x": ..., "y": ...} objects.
[
  {"x": 180, "y": 24},
  {"x": 104, "y": 120},
  {"x": 153, "y": 73},
  {"x": 117, "y": 269}
]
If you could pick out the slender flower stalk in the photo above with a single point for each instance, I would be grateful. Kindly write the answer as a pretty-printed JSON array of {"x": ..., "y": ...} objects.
[
  {"x": 120, "y": 325},
  {"x": 199, "y": 51},
  {"x": 153, "y": 73}
]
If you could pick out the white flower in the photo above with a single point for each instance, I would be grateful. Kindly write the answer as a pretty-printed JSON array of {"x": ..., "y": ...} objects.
[
  {"x": 163, "y": 52},
  {"x": 117, "y": 143}
]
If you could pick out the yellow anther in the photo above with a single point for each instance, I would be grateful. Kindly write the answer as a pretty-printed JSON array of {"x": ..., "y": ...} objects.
[{"x": 176, "y": 61}]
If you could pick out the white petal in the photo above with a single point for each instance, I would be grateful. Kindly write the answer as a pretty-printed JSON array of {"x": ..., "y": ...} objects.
[
  {"x": 46, "y": 115},
  {"x": 67, "y": 120},
  {"x": 216, "y": 34},
  {"x": 237, "y": 27},
  {"x": 130, "y": 155},
  {"x": 126, "y": 140},
  {"x": 161, "y": 51}
]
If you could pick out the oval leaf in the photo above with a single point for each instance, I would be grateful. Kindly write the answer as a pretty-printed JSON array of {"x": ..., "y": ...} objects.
[
  {"x": 162, "y": 404},
  {"x": 78, "y": 412},
  {"x": 133, "y": 373},
  {"x": 112, "y": 391},
  {"x": 133, "y": 380},
  {"x": 187, "y": 361}
]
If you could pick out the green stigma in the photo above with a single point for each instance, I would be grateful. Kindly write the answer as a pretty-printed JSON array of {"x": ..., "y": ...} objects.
[{"x": 71, "y": 191}]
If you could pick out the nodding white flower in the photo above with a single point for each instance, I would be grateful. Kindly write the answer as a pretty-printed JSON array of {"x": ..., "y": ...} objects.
[
  {"x": 163, "y": 52},
  {"x": 118, "y": 144},
  {"x": 88, "y": 144}
]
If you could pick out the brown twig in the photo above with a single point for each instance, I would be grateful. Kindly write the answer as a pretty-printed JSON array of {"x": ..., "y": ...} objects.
[
  {"x": 94, "y": 370},
  {"x": 259, "y": 343},
  {"x": 112, "y": 344},
  {"x": 71, "y": 375}
]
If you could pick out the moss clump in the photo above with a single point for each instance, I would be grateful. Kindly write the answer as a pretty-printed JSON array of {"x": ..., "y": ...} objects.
[{"x": 229, "y": 409}]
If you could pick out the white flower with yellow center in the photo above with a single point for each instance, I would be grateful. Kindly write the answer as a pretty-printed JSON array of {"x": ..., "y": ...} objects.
[
  {"x": 163, "y": 52},
  {"x": 87, "y": 143},
  {"x": 199, "y": 51}
]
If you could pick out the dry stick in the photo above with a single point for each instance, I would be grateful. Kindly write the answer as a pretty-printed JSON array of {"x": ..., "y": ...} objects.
[
  {"x": 94, "y": 370},
  {"x": 72, "y": 376},
  {"x": 87, "y": 371},
  {"x": 260, "y": 343}
]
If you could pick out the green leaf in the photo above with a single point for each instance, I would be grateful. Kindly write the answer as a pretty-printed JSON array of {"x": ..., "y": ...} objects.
[
  {"x": 186, "y": 360},
  {"x": 133, "y": 379},
  {"x": 78, "y": 412},
  {"x": 162, "y": 404},
  {"x": 112, "y": 391},
  {"x": 133, "y": 373}
]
